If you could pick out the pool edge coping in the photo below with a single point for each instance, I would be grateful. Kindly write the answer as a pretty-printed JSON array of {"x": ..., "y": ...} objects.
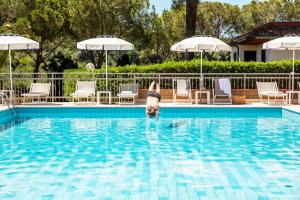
[{"x": 292, "y": 108}]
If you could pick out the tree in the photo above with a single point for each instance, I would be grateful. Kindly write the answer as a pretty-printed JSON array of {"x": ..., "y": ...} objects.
[
  {"x": 190, "y": 23},
  {"x": 161, "y": 32},
  {"x": 191, "y": 16},
  {"x": 9, "y": 11},
  {"x": 177, "y": 4},
  {"x": 47, "y": 22},
  {"x": 261, "y": 12},
  {"x": 121, "y": 18},
  {"x": 59, "y": 24},
  {"x": 4, "y": 14},
  {"x": 157, "y": 39},
  {"x": 210, "y": 21}
]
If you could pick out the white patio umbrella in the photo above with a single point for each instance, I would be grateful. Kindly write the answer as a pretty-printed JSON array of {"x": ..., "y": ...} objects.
[
  {"x": 105, "y": 43},
  {"x": 290, "y": 43},
  {"x": 200, "y": 44},
  {"x": 15, "y": 42}
]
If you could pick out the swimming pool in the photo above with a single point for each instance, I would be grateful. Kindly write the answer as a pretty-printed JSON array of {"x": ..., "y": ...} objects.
[{"x": 117, "y": 153}]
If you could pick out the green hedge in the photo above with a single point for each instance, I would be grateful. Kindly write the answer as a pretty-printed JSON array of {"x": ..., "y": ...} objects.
[
  {"x": 178, "y": 67},
  {"x": 208, "y": 67}
]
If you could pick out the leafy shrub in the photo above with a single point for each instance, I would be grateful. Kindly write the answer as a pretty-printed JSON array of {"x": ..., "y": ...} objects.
[
  {"x": 181, "y": 67},
  {"x": 208, "y": 67}
]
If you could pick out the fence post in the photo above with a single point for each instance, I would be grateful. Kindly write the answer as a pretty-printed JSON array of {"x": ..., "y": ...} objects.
[
  {"x": 159, "y": 79},
  {"x": 245, "y": 82},
  {"x": 52, "y": 86},
  {"x": 290, "y": 81},
  {"x": 134, "y": 78},
  {"x": 202, "y": 82}
]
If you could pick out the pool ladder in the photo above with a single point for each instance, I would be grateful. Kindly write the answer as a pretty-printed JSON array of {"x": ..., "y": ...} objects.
[{"x": 8, "y": 103}]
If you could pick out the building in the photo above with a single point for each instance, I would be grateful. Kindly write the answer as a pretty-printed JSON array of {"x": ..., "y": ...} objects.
[{"x": 248, "y": 47}]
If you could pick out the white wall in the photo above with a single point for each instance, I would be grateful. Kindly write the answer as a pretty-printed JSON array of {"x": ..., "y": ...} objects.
[
  {"x": 233, "y": 50},
  {"x": 271, "y": 55}
]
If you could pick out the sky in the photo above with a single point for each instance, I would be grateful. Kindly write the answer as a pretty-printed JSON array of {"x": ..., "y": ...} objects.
[{"x": 160, "y": 5}]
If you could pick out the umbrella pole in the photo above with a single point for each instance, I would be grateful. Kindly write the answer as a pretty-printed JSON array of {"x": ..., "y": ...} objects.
[
  {"x": 293, "y": 72},
  {"x": 10, "y": 70},
  {"x": 106, "y": 73}
]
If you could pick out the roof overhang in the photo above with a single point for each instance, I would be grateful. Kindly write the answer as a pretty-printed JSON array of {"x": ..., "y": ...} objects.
[
  {"x": 266, "y": 32},
  {"x": 255, "y": 40}
]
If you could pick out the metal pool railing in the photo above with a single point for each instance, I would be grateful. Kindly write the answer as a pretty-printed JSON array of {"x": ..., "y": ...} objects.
[{"x": 62, "y": 84}]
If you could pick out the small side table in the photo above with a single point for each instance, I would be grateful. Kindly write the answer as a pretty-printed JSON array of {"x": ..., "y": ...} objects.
[
  {"x": 198, "y": 93},
  {"x": 103, "y": 92},
  {"x": 290, "y": 96}
]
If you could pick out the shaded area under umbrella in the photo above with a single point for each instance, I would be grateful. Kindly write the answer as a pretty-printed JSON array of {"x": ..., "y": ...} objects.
[
  {"x": 200, "y": 44},
  {"x": 11, "y": 42},
  {"x": 105, "y": 43}
]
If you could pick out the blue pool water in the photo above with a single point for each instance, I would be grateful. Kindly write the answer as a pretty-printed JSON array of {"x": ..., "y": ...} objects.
[{"x": 117, "y": 153}]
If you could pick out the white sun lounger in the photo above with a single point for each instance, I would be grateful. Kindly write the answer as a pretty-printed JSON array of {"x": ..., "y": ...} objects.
[
  {"x": 269, "y": 89},
  {"x": 84, "y": 89},
  {"x": 222, "y": 90},
  {"x": 37, "y": 91},
  {"x": 128, "y": 91},
  {"x": 182, "y": 88}
]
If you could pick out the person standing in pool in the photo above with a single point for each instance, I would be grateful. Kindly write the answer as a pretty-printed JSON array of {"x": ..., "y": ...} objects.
[{"x": 153, "y": 99}]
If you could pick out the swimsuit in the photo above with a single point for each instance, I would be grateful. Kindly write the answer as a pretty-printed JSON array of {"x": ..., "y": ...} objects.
[{"x": 152, "y": 94}]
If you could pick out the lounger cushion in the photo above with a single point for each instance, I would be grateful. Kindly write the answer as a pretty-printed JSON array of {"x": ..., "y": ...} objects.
[
  {"x": 127, "y": 92},
  {"x": 274, "y": 94},
  {"x": 82, "y": 94},
  {"x": 34, "y": 94},
  {"x": 127, "y": 95}
]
